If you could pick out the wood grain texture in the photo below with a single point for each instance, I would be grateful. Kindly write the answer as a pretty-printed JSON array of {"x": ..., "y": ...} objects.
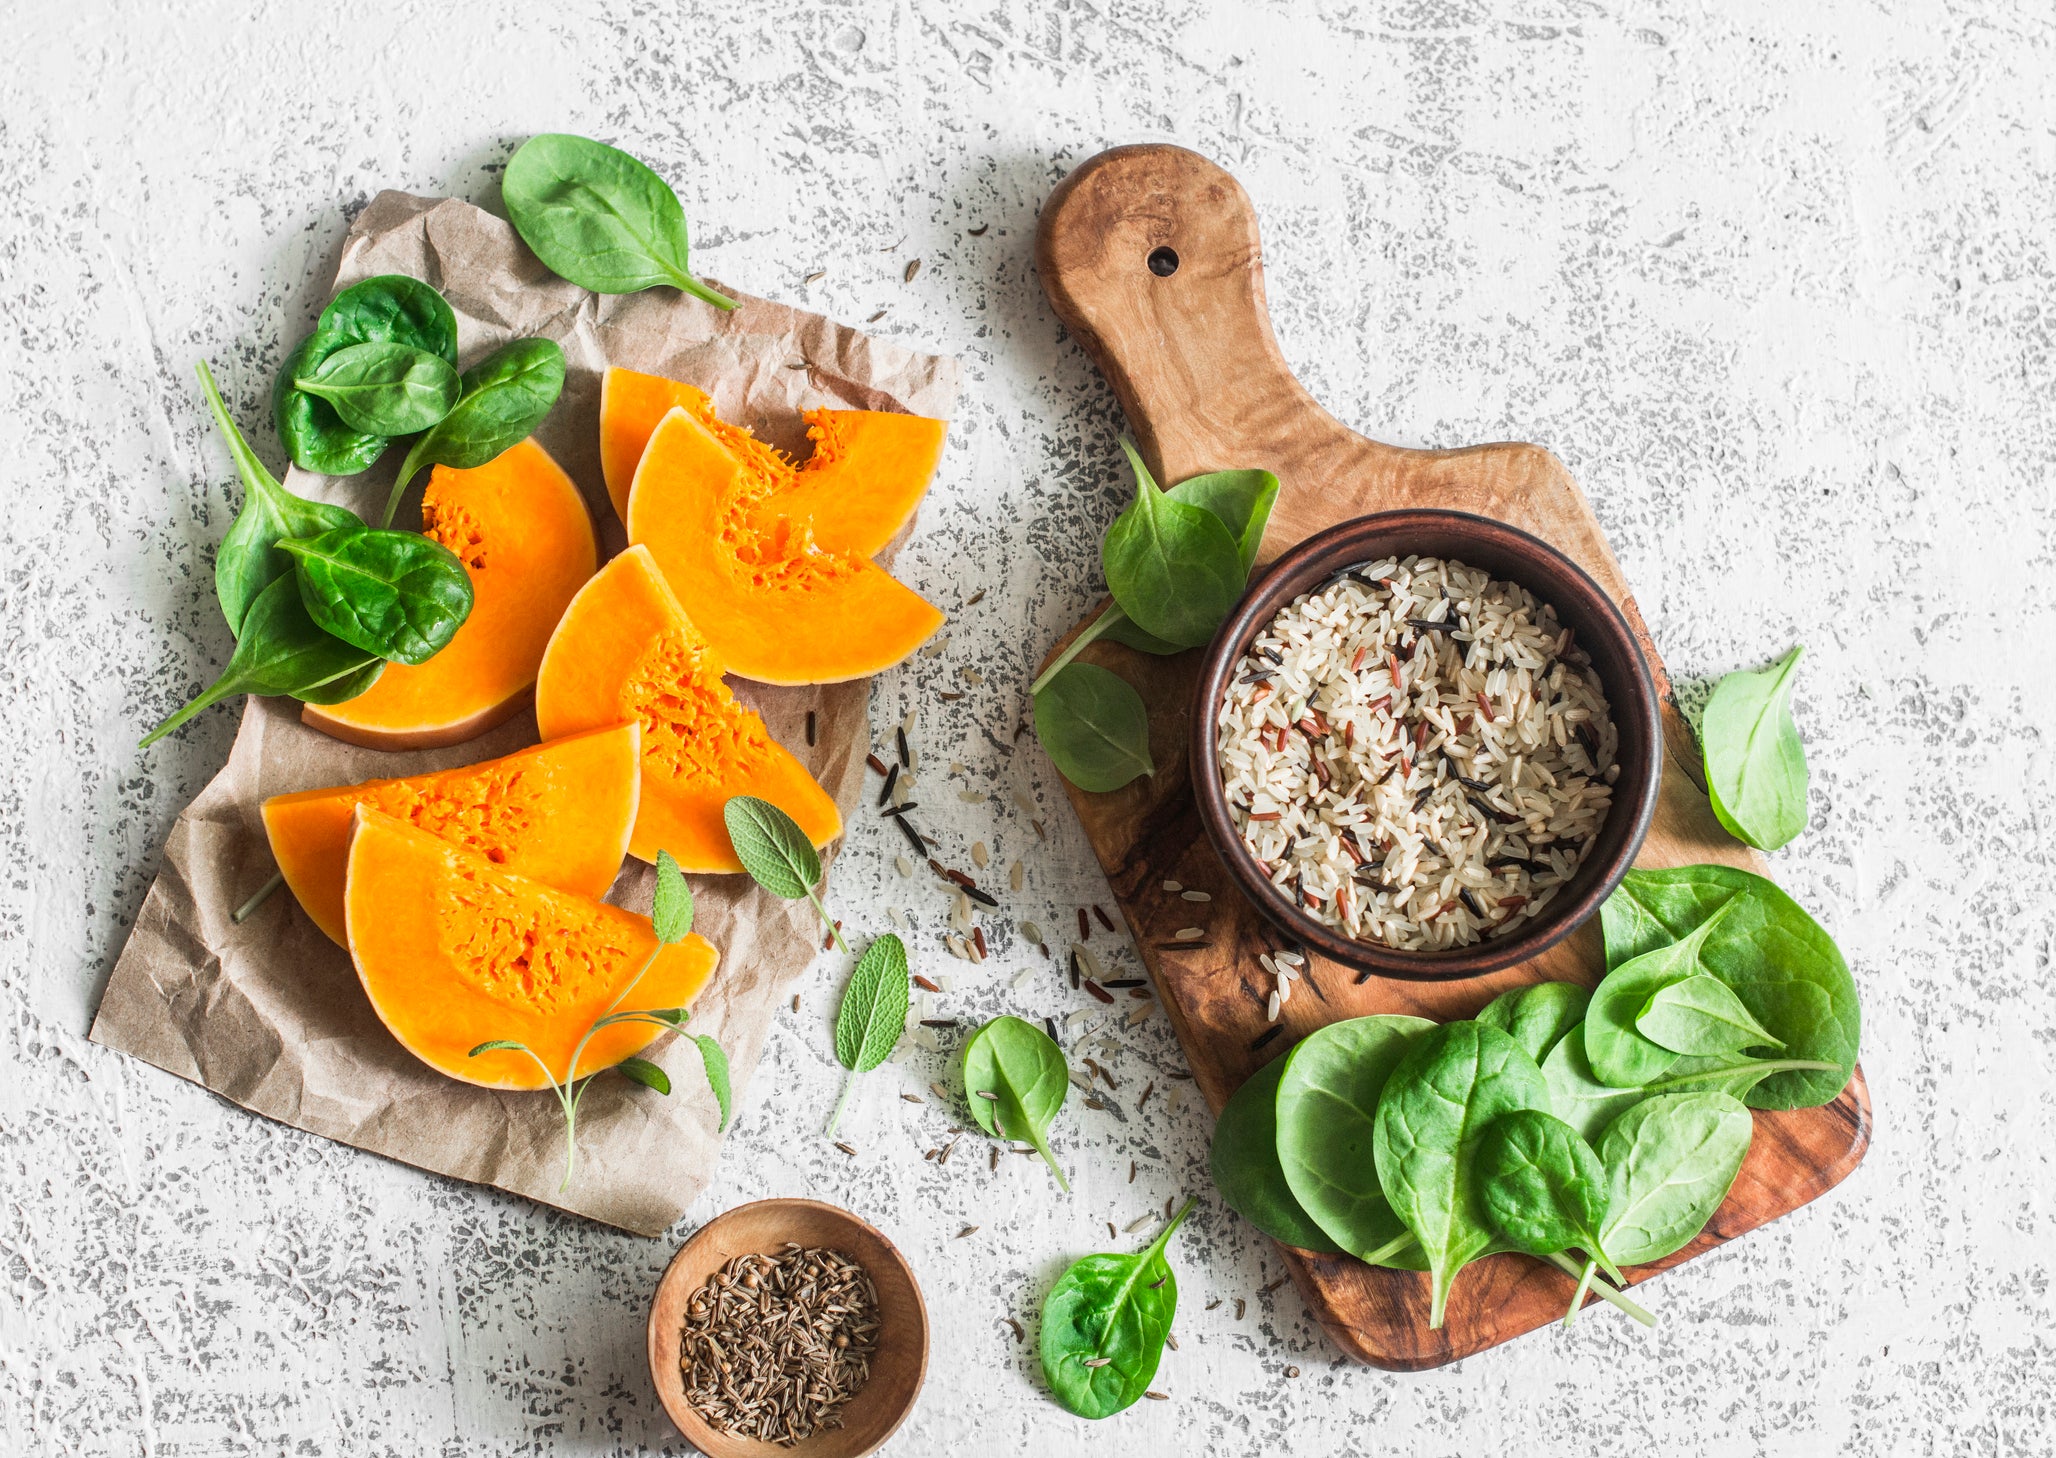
[{"x": 1193, "y": 360}]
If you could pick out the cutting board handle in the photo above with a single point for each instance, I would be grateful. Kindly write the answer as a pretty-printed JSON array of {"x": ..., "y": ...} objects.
[{"x": 1151, "y": 258}]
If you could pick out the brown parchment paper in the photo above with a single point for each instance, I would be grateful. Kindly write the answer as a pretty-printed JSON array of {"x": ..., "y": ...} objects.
[{"x": 270, "y": 1013}]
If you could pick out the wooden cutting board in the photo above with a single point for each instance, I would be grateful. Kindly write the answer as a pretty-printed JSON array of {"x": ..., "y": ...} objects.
[{"x": 1151, "y": 256}]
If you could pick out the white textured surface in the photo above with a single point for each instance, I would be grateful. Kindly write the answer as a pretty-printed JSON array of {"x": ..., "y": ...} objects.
[{"x": 1773, "y": 279}]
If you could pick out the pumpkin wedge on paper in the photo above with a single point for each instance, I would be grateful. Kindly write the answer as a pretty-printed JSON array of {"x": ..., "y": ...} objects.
[
  {"x": 626, "y": 650},
  {"x": 526, "y": 539},
  {"x": 866, "y": 475},
  {"x": 774, "y": 606},
  {"x": 559, "y": 813},
  {"x": 454, "y": 951}
]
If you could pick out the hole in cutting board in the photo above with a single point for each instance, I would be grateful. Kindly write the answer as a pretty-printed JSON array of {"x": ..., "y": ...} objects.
[{"x": 1163, "y": 262}]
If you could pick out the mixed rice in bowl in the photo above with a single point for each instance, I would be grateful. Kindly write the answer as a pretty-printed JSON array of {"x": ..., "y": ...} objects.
[{"x": 1416, "y": 754}]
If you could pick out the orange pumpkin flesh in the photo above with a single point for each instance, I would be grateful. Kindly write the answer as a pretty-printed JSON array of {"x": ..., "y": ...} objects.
[
  {"x": 526, "y": 538},
  {"x": 627, "y": 651},
  {"x": 775, "y": 607},
  {"x": 453, "y": 951},
  {"x": 559, "y": 813},
  {"x": 868, "y": 471}
]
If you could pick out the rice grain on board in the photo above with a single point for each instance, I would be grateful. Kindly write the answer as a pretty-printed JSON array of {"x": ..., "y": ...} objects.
[{"x": 1417, "y": 754}]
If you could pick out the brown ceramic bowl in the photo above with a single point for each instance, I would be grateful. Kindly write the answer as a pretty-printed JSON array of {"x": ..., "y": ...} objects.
[
  {"x": 1602, "y": 632},
  {"x": 763, "y": 1228}
]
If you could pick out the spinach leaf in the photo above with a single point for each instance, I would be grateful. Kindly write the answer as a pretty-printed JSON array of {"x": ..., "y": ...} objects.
[
  {"x": 1327, "y": 1107},
  {"x": 1539, "y": 1015},
  {"x": 873, "y": 1014},
  {"x": 1453, "y": 1084},
  {"x": 1173, "y": 567},
  {"x": 1700, "y": 1016},
  {"x": 1094, "y": 727},
  {"x": 1773, "y": 956},
  {"x": 281, "y": 651},
  {"x": 1755, "y": 763},
  {"x": 1241, "y": 499},
  {"x": 1015, "y": 1080},
  {"x": 313, "y": 434},
  {"x": 777, "y": 854},
  {"x": 248, "y": 560},
  {"x": 383, "y": 389},
  {"x": 392, "y": 308},
  {"x": 1619, "y": 1054},
  {"x": 1543, "y": 1187},
  {"x": 598, "y": 217},
  {"x": 343, "y": 688},
  {"x": 397, "y": 594},
  {"x": 504, "y": 397},
  {"x": 1670, "y": 1161},
  {"x": 1115, "y": 624},
  {"x": 1104, "y": 1324},
  {"x": 1246, "y": 1169},
  {"x": 1576, "y": 1095}
]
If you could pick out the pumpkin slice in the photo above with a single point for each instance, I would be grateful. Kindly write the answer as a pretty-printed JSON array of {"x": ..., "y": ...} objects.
[
  {"x": 627, "y": 650},
  {"x": 454, "y": 951},
  {"x": 526, "y": 538},
  {"x": 868, "y": 471},
  {"x": 559, "y": 813},
  {"x": 774, "y": 606}
]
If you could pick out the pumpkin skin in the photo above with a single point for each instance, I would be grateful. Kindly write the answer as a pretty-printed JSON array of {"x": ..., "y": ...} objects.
[
  {"x": 627, "y": 651},
  {"x": 453, "y": 951},
  {"x": 867, "y": 474},
  {"x": 526, "y": 539},
  {"x": 773, "y": 605},
  {"x": 559, "y": 813}
]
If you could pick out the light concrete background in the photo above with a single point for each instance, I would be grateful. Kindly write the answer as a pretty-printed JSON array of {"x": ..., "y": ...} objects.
[{"x": 1772, "y": 278}]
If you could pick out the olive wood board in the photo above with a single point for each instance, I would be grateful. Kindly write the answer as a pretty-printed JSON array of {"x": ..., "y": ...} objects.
[{"x": 1193, "y": 360}]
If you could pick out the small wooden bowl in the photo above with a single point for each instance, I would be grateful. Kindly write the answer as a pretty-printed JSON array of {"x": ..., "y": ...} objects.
[
  {"x": 763, "y": 1228},
  {"x": 1511, "y": 555}
]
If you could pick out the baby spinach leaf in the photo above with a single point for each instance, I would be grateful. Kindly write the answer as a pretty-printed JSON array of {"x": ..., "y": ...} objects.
[
  {"x": 400, "y": 595},
  {"x": 1241, "y": 499},
  {"x": 777, "y": 854},
  {"x": 344, "y": 687},
  {"x": 1246, "y": 1169},
  {"x": 1670, "y": 1161},
  {"x": 1094, "y": 727},
  {"x": 1619, "y": 1054},
  {"x": 383, "y": 389},
  {"x": 1543, "y": 1187},
  {"x": 873, "y": 1014},
  {"x": 281, "y": 651},
  {"x": 1104, "y": 1324},
  {"x": 392, "y": 308},
  {"x": 1786, "y": 970},
  {"x": 1118, "y": 626},
  {"x": 1015, "y": 1080},
  {"x": 1700, "y": 1016},
  {"x": 1452, "y": 1085},
  {"x": 1576, "y": 1095},
  {"x": 1755, "y": 762},
  {"x": 313, "y": 434},
  {"x": 1539, "y": 1015},
  {"x": 598, "y": 217},
  {"x": 1173, "y": 567},
  {"x": 503, "y": 398},
  {"x": 249, "y": 560},
  {"x": 1327, "y": 1107}
]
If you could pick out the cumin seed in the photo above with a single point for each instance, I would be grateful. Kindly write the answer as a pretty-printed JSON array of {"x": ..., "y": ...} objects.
[{"x": 846, "y": 1149}]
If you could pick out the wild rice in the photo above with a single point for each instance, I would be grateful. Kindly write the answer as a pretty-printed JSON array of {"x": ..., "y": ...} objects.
[{"x": 1419, "y": 788}]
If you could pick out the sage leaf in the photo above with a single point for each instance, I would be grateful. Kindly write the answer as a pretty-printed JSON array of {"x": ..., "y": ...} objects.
[
  {"x": 249, "y": 560},
  {"x": 1173, "y": 567},
  {"x": 1024, "y": 1072},
  {"x": 1755, "y": 762},
  {"x": 873, "y": 1013},
  {"x": 1701, "y": 1016},
  {"x": 1543, "y": 1186},
  {"x": 1538, "y": 1016},
  {"x": 1094, "y": 727},
  {"x": 383, "y": 389},
  {"x": 1327, "y": 1120},
  {"x": 315, "y": 437},
  {"x": 715, "y": 1061},
  {"x": 281, "y": 651},
  {"x": 399, "y": 595},
  {"x": 1670, "y": 1161},
  {"x": 1246, "y": 1167},
  {"x": 1112, "y": 1312},
  {"x": 502, "y": 399},
  {"x": 644, "y": 1072},
  {"x": 671, "y": 910},
  {"x": 598, "y": 217},
  {"x": 771, "y": 847},
  {"x": 1451, "y": 1086},
  {"x": 1619, "y": 1053}
]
